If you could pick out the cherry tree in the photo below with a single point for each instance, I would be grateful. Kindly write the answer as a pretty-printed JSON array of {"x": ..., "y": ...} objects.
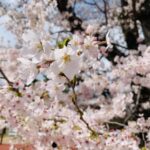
[{"x": 64, "y": 95}]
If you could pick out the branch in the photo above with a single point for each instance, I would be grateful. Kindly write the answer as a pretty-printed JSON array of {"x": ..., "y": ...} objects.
[
  {"x": 16, "y": 90},
  {"x": 61, "y": 31},
  {"x": 98, "y": 7},
  {"x": 115, "y": 44},
  {"x": 94, "y": 4},
  {"x": 5, "y": 77},
  {"x": 105, "y": 10},
  {"x": 116, "y": 123},
  {"x": 2, "y": 135},
  {"x": 74, "y": 5},
  {"x": 74, "y": 101},
  {"x": 89, "y": 3}
]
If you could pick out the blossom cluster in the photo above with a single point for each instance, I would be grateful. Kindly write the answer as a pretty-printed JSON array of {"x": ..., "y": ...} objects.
[
  {"x": 68, "y": 98},
  {"x": 68, "y": 95}
]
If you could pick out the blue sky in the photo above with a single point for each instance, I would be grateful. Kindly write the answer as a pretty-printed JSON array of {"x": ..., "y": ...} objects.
[{"x": 6, "y": 37}]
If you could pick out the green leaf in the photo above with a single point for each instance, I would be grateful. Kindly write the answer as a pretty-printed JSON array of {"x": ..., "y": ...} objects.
[
  {"x": 63, "y": 43},
  {"x": 74, "y": 81}
]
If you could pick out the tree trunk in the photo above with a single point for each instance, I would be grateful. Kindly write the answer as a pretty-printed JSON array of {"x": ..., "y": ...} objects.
[
  {"x": 144, "y": 17},
  {"x": 131, "y": 34}
]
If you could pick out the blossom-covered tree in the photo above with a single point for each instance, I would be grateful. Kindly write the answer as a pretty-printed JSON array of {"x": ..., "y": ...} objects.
[{"x": 68, "y": 94}]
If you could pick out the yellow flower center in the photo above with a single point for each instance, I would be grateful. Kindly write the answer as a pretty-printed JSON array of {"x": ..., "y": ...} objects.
[
  {"x": 66, "y": 58},
  {"x": 39, "y": 46}
]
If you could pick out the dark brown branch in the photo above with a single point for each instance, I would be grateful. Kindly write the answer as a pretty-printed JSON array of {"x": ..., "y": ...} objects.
[
  {"x": 11, "y": 88},
  {"x": 115, "y": 44},
  {"x": 105, "y": 10},
  {"x": 2, "y": 135},
  {"x": 5, "y": 77}
]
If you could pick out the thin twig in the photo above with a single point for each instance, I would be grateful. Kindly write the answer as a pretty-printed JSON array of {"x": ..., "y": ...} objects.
[
  {"x": 61, "y": 31},
  {"x": 116, "y": 44},
  {"x": 16, "y": 90},
  {"x": 89, "y": 3},
  {"x": 98, "y": 7},
  {"x": 116, "y": 123},
  {"x": 5, "y": 77},
  {"x": 74, "y": 101}
]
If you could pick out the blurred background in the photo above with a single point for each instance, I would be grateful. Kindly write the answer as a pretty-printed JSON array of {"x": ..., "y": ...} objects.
[{"x": 128, "y": 19}]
